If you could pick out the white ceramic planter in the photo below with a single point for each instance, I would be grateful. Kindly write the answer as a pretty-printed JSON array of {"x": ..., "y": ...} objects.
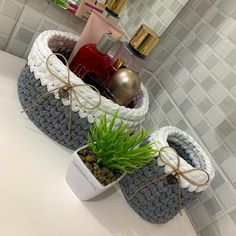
[{"x": 82, "y": 181}]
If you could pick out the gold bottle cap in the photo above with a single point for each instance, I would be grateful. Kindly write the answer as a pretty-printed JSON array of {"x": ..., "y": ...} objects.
[
  {"x": 119, "y": 63},
  {"x": 115, "y": 6},
  {"x": 144, "y": 40}
]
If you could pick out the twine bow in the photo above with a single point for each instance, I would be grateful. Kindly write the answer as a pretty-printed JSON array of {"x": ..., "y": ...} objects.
[
  {"x": 65, "y": 91},
  {"x": 177, "y": 173}
]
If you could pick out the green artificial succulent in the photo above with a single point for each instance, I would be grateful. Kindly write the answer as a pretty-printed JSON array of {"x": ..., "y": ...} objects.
[{"x": 119, "y": 147}]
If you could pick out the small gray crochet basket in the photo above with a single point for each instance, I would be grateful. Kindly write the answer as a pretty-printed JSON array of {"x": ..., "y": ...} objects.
[{"x": 159, "y": 201}]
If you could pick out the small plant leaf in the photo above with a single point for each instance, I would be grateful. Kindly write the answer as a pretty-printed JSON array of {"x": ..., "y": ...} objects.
[{"x": 117, "y": 146}]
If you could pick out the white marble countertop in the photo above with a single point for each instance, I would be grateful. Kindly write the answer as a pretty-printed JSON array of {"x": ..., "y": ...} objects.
[{"x": 34, "y": 197}]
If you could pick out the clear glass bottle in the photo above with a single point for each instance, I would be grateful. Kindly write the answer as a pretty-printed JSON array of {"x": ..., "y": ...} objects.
[{"x": 135, "y": 52}]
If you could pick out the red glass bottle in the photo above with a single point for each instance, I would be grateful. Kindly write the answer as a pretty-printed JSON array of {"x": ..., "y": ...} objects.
[{"x": 93, "y": 59}]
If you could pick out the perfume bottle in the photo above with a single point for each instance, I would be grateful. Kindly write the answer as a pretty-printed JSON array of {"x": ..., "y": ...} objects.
[
  {"x": 99, "y": 83},
  {"x": 135, "y": 52},
  {"x": 113, "y": 9},
  {"x": 94, "y": 59},
  {"x": 118, "y": 64}
]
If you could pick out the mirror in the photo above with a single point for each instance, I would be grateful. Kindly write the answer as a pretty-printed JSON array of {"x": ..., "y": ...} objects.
[
  {"x": 157, "y": 14},
  {"x": 80, "y": 8},
  {"x": 70, "y": 6}
]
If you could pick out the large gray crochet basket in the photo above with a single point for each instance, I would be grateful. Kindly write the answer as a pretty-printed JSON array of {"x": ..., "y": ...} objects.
[
  {"x": 159, "y": 202},
  {"x": 51, "y": 113}
]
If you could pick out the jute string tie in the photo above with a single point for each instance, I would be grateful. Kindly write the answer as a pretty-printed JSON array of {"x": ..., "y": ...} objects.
[
  {"x": 65, "y": 91},
  {"x": 176, "y": 172}
]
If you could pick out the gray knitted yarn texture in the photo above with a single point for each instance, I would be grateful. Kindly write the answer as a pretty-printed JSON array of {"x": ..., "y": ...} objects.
[
  {"x": 50, "y": 115},
  {"x": 158, "y": 202}
]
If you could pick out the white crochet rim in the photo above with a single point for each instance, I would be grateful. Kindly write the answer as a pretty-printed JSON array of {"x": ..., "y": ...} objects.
[
  {"x": 37, "y": 63},
  {"x": 159, "y": 138}
]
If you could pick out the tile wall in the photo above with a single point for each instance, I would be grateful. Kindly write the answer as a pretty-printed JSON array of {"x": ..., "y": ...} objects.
[
  {"x": 191, "y": 79},
  {"x": 22, "y": 20},
  {"x": 192, "y": 85}
]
